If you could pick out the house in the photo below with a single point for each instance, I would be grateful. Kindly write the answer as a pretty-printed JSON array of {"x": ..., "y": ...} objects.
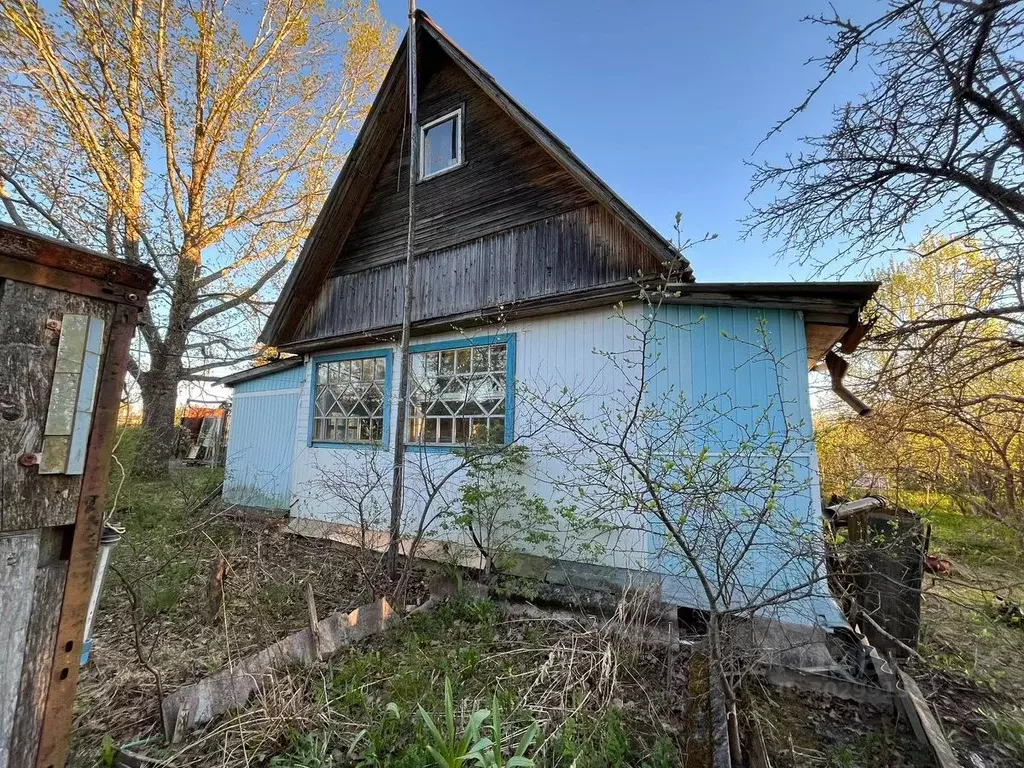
[{"x": 527, "y": 278}]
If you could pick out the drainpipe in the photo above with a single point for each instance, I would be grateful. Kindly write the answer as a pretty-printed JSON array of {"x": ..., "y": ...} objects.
[
  {"x": 112, "y": 533},
  {"x": 837, "y": 366}
]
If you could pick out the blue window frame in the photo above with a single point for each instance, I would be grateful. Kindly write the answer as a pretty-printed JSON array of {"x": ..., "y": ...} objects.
[
  {"x": 350, "y": 400},
  {"x": 461, "y": 393}
]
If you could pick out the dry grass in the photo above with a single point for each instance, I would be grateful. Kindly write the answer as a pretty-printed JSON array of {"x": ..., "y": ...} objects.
[
  {"x": 599, "y": 699},
  {"x": 161, "y": 587}
]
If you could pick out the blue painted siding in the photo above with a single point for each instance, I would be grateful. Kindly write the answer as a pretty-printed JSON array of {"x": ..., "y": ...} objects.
[
  {"x": 293, "y": 377},
  {"x": 261, "y": 440},
  {"x": 715, "y": 358},
  {"x": 737, "y": 377}
]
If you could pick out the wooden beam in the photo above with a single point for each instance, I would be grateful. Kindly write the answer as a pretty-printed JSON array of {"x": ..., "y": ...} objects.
[{"x": 37, "y": 249}]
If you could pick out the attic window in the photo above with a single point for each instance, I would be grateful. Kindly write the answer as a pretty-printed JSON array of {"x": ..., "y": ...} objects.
[{"x": 441, "y": 145}]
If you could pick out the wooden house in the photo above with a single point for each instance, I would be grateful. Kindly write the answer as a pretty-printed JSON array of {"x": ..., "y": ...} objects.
[{"x": 521, "y": 256}]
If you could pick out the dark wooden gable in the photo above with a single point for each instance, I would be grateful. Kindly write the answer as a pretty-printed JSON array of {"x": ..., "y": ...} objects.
[
  {"x": 506, "y": 179},
  {"x": 522, "y": 226}
]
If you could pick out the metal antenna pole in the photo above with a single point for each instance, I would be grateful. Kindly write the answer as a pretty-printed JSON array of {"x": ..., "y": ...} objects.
[{"x": 398, "y": 471}]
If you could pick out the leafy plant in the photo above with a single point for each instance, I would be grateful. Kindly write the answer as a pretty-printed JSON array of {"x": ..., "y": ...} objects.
[
  {"x": 498, "y": 514},
  {"x": 494, "y": 758},
  {"x": 450, "y": 749},
  {"x": 108, "y": 752}
]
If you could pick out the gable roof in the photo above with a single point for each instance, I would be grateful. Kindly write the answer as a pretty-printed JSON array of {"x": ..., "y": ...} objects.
[{"x": 386, "y": 116}]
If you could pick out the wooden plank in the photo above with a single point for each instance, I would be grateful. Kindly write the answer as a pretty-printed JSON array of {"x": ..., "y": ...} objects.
[
  {"x": 18, "y": 557},
  {"x": 45, "y": 251},
  {"x": 546, "y": 259},
  {"x": 59, "y": 280},
  {"x": 924, "y": 724},
  {"x": 602, "y": 296},
  {"x": 60, "y": 695},
  {"x": 35, "y": 672},
  {"x": 231, "y": 688},
  {"x": 28, "y": 356}
]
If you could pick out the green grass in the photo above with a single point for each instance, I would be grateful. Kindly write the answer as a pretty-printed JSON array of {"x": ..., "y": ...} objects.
[
  {"x": 468, "y": 644},
  {"x": 362, "y": 710},
  {"x": 165, "y": 537}
]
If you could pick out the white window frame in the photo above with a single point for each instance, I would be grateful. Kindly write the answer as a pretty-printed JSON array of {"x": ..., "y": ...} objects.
[{"x": 457, "y": 114}]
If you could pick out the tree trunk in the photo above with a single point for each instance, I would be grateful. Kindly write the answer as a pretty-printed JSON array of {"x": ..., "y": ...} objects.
[{"x": 159, "y": 399}]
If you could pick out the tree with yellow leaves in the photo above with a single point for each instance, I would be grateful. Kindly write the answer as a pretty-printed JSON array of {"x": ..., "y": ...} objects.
[
  {"x": 944, "y": 370},
  {"x": 197, "y": 137}
]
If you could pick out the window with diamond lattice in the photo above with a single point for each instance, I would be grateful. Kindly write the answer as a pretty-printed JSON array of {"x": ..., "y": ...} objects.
[
  {"x": 350, "y": 400},
  {"x": 459, "y": 396}
]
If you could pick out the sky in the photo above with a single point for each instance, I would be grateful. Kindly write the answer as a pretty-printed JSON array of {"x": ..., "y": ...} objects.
[{"x": 665, "y": 100}]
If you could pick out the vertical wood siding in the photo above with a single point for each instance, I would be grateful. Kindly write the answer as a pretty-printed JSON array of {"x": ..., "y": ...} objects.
[
  {"x": 582, "y": 248},
  {"x": 260, "y": 443},
  {"x": 743, "y": 375}
]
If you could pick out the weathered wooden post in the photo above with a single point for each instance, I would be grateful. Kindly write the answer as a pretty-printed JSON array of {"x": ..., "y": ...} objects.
[{"x": 67, "y": 316}]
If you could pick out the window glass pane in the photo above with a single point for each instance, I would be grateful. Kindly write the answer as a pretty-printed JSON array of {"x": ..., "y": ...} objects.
[
  {"x": 440, "y": 146},
  {"x": 462, "y": 394},
  {"x": 349, "y": 403},
  {"x": 479, "y": 359},
  {"x": 447, "y": 361}
]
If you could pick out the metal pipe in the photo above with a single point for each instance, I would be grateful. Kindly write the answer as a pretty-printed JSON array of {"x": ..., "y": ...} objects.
[
  {"x": 112, "y": 533},
  {"x": 837, "y": 366}
]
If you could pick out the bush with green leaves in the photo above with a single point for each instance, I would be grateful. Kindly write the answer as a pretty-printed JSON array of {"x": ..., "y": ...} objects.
[{"x": 497, "y": 512}]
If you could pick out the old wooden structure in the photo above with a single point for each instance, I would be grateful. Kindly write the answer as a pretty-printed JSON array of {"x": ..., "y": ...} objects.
[{"x": 67, "y": 316}]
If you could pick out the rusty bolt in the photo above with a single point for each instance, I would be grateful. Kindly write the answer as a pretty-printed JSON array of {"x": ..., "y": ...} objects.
[
  {"x": 53, "y": 324},
  {"x": 28, "y": 459}
]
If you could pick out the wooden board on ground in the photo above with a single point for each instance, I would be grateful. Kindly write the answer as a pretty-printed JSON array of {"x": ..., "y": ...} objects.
[
  {"x": 231, "y": 688},
  {"x": 926, "y": 727}
]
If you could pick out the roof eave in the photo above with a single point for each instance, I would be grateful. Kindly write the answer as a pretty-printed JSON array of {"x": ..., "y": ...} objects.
[{"x": 260, "y": 371}]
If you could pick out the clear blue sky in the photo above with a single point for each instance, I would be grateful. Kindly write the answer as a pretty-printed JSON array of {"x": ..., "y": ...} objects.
[{"x": 664, "y": 99}]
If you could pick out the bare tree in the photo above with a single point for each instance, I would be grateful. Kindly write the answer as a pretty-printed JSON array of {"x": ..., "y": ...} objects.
[
  {"x": 936, "y": 141},
  {"x": 197, "y": 137}
]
